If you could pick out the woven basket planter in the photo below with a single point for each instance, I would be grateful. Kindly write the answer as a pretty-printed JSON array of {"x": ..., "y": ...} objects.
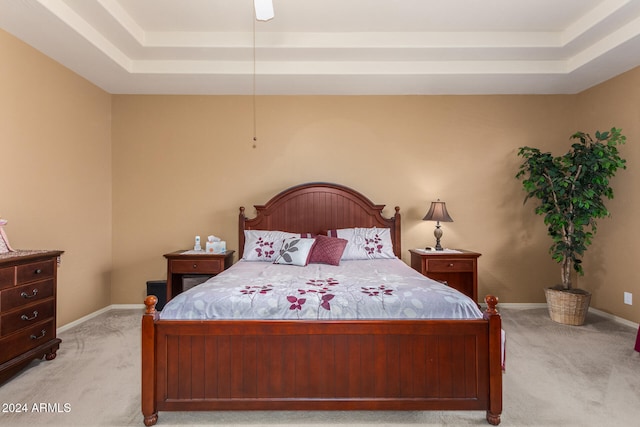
[{"x": 567, "y": 308}]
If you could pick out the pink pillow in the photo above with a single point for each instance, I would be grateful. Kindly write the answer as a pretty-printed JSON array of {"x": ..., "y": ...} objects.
[{"x": 327, "y": 250}]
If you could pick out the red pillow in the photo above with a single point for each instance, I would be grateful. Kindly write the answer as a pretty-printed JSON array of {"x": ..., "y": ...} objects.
[{"x": 327, "y": 250}]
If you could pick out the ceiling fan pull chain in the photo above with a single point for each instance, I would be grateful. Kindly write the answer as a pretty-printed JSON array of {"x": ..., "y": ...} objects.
[{"x": 255, "y": 137}]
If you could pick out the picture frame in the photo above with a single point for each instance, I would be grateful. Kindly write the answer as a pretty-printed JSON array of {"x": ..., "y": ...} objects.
[{"x": 5, "y": 247}]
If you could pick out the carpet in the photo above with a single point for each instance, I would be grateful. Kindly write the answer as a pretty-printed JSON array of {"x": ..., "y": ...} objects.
[{"x": 556, "y": 375}]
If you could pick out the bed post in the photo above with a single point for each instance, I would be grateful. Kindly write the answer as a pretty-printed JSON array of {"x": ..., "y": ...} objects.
[
  {"x": 495, "y": 360},
  {"x": 149, "y": 408},
  {"x": 241, "y": 220},
  {"x": 397, "y": 244}
]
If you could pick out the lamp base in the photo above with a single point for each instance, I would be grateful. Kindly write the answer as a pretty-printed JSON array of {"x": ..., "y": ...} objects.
[{"x": 438, "y": 234}]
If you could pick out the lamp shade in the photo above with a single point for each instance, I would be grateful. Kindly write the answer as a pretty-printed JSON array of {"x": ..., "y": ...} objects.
[{"x": 438, "y": 212}]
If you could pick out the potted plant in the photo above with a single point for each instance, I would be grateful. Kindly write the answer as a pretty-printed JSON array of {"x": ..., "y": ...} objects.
[{"x": 571, "y": 190}]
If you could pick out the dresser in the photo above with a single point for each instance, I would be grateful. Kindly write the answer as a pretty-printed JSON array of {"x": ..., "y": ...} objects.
[
  {"x": 457, "y": 269},
  {"x": 27, "y": 308}
]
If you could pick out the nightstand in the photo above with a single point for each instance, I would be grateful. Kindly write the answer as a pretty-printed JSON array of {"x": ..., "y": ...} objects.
[
  {"x": 181, "y": 263},
  {"x": 457, "y": 269}
]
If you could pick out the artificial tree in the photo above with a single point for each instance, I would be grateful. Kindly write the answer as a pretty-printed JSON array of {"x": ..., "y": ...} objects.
[{"x": 571, "y": 190}]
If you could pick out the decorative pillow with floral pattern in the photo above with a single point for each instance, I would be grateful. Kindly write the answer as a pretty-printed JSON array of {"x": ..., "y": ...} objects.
[
  {"x": 263, "y": 245},
  {"x": 365, "y": 243},
  {"x": 295, "y": 251}
]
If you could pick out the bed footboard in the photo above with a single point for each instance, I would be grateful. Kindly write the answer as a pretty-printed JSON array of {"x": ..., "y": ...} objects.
[{"x": 317, "y": 365}]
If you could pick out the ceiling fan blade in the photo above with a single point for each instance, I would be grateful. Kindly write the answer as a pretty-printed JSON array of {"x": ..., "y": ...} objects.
[{"x": 264, "y": 9}]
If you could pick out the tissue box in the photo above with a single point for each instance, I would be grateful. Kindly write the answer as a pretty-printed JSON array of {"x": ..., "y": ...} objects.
[{"x": 216, "y": 247}]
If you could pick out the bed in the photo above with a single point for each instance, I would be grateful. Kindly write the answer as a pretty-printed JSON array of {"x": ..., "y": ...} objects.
[{"x": 320, "y": 363}]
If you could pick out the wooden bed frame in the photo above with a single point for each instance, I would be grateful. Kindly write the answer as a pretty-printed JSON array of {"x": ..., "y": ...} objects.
[{"x": 212, "y": 365}]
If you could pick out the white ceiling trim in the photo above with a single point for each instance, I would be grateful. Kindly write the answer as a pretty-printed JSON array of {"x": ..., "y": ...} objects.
[
  {"x": 371, "y": 68},
  {"x": 604, "y": 45},
  {"x": 113, "y": 8},
  {"x": 366, "y": 40},
  {"x": 593, "y": 45},
  {"x": 588, "y": 21},
  {"x": 82, "y": 27}
]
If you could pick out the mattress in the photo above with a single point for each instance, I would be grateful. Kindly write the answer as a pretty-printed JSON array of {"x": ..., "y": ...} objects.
[{"x": 358, "y": 289}]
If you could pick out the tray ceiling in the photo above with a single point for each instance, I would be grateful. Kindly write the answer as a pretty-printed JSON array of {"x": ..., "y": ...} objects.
[{"x": 334, "y": 46}]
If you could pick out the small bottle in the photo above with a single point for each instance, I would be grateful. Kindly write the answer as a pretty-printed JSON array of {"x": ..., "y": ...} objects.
[{"x": 197, "y": 246}]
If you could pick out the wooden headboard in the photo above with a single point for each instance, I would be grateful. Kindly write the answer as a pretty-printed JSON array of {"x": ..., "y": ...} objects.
[{"x": 317, "y": 207}]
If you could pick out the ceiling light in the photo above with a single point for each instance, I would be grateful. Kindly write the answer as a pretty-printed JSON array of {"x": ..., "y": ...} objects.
[{"x": 264, "y": 9}]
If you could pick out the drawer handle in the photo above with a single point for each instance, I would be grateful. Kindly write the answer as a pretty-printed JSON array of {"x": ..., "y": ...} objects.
[
  {"x": 38, "y": 271},
  {"x": 195, "y": 265},
  {"x": 451, "y": 265},
  {"x": 27, "y": 318},
  {"x": 26, "y": 295},
  {"x": 42, "y": 334}
]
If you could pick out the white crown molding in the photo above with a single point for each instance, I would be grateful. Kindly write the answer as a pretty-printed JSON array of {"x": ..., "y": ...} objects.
[{"x": 563, "y": 46}]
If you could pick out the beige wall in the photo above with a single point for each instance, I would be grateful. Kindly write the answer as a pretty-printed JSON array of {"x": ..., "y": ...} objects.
[
  {"x": 55, "y": 172},
  {"x": 610, "y": 262},
  {"x": 182, "y": 165}
]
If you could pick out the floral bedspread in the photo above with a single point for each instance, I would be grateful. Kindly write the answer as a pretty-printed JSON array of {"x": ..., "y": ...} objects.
[{"x": 362, "y": 289}]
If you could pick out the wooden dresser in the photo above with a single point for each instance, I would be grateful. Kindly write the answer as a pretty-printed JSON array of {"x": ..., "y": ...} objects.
[{"x": 27, "y": 309}]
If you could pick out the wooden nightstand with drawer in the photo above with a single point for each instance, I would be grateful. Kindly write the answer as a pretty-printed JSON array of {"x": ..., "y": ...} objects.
[
  {"x": 27, "y": 309},
  {"x": 458, "y": 269},
  {"x": 181, "y": 263}
]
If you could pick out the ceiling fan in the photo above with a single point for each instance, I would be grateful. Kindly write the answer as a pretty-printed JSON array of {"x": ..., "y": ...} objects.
[
  {"x": 264, "y": 12},
  {"x": 264, "y": 9}
]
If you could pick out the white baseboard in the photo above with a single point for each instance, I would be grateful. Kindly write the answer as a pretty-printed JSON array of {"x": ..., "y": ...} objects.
[
  {"x": 518, "y": 306},
  {"x": 615, "y": 318},
  {"x": 99, "y": 312}
]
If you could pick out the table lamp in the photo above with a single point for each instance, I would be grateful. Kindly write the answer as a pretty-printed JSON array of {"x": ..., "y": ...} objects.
[{"x": 438, "y": 212}]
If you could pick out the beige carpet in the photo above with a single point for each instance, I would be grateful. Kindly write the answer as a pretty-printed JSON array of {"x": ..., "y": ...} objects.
[{"x": 556, "y": 376}]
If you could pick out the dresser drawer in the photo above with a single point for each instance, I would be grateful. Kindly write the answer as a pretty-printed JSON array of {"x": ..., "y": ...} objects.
[
  {"x": 34, "y": 271},
  {"x": 25, "y": 294},
  {"x": 208, "y": 266},
  {"x": 26, "y": 339},
  {"x": 6, "y": 277},
  {"x": 26, "y": 316},
  {"x": 446, "y": 265}
]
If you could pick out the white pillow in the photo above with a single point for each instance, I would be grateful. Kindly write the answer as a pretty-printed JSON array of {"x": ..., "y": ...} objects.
[
  {"x": 295, "y": 251},
  {"x": 365, "y": 243},
  {"x": 263, "y": 245}
]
